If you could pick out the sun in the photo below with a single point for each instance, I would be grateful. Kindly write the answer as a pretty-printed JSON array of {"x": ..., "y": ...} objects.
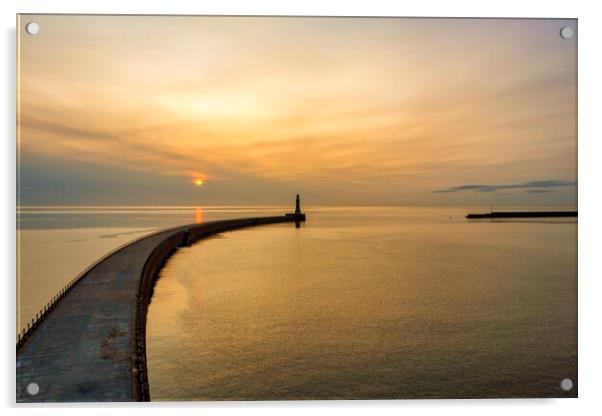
[{"x": 198, "y": 182}]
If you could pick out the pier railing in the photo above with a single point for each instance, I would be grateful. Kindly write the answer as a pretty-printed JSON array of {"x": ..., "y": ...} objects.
[{"x": 26, "y": 330}]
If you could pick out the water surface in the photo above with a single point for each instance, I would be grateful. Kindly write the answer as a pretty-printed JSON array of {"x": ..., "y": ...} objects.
[{"x": 367, "y": 303}]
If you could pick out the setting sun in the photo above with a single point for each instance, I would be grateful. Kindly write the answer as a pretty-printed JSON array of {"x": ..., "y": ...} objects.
[{"x": 198, "y": 182}]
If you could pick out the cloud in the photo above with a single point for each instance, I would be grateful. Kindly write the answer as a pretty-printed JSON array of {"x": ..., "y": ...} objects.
[
  {"x": 275, "y": 104},
  {"x": 533, "y": 186}
]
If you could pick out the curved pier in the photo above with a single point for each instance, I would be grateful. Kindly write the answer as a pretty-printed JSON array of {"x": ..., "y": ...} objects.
[{"x": 90, "y": 345}]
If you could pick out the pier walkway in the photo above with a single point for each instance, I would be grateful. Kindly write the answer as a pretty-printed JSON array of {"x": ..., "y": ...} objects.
[{"x": 90, "y": 345}]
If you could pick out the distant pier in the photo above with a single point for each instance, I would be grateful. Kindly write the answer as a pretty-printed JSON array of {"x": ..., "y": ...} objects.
[
  {"x": 524, "y": 214},
  {"x": 90, "y": 344}
]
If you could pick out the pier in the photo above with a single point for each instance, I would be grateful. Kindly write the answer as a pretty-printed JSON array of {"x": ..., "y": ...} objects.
[{"x": 89, "y": 344}]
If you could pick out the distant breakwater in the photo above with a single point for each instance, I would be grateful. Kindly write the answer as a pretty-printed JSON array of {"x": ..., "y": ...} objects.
[{"x": 524, "y": 214}]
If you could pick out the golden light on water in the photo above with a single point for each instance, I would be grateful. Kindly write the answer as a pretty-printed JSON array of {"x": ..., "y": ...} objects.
[{"x": 198, "y": 182}]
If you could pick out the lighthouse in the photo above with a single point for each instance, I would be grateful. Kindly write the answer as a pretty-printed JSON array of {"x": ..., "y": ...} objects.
[{"x": 297, "y": 216}]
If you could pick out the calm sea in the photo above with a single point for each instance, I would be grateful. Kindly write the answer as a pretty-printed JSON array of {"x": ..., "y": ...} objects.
[
  {"x": 358, "y": 303},
  {"x": 369, "y": 303}
]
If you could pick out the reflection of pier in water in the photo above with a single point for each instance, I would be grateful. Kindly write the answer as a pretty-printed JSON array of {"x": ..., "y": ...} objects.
[{"x": 90, "y": 343}]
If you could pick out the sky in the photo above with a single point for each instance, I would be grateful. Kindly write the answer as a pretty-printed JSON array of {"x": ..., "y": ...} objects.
[{"x": 132, "y": 110}]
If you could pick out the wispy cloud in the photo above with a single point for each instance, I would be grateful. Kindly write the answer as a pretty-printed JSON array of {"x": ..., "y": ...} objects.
[
  {"x": 533, "y": 186},
  {"x": 269, "y": 104}
]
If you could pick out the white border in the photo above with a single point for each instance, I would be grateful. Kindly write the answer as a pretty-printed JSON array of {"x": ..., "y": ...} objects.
[{"x": 590, "y": 201}]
